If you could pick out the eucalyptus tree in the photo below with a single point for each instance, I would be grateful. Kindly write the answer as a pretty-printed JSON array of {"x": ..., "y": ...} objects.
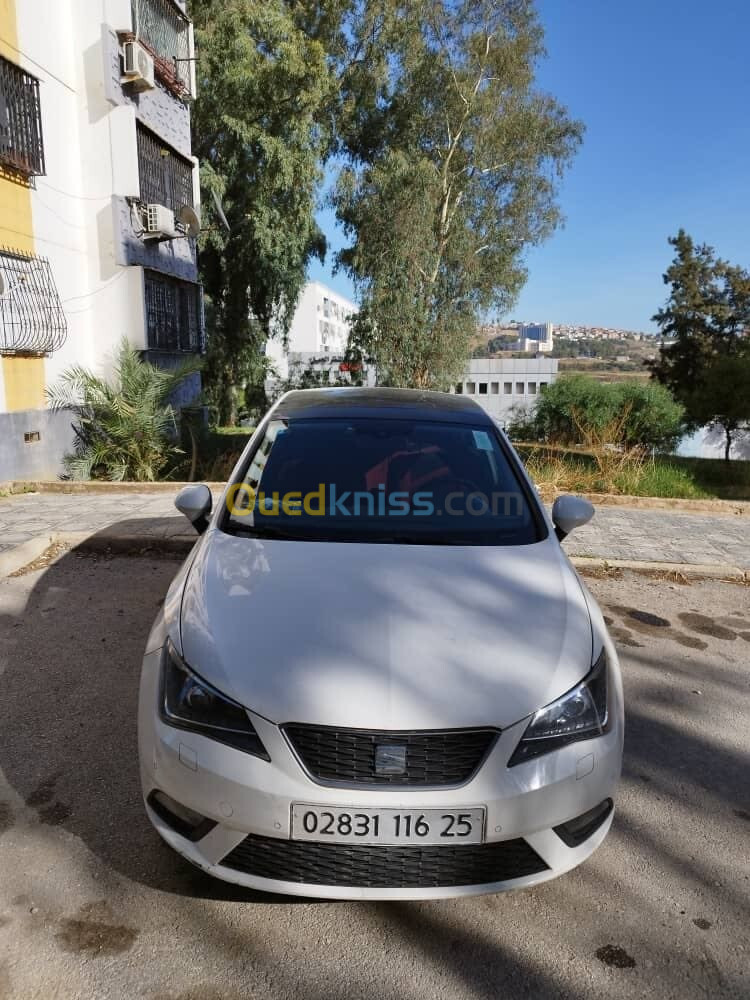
[{"x": 452, "y": 160}]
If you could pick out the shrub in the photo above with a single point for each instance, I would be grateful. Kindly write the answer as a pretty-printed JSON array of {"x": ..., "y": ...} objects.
[
  {"x": 577, "y": 407},
  {"x": 125, "y": 427}
]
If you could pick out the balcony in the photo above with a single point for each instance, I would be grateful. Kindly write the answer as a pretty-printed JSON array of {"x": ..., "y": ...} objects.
[
  {"x": 162, "y": 27},
  {"x": 32, "y": 320}
]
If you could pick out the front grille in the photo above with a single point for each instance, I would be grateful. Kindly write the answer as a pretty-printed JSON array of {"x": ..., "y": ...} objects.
[
  {"x": 378, "y": 867},
  {"x": 449, "y": 757}
]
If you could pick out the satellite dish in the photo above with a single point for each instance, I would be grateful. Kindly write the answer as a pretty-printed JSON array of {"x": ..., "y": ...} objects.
[{"x": 190, "y": 220}]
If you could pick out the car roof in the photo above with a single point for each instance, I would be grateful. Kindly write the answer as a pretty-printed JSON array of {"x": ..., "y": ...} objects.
[{"x": 387, "y": 404}]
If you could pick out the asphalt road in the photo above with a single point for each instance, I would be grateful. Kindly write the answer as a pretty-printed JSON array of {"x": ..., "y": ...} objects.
[{"x": 92, "y": 905}]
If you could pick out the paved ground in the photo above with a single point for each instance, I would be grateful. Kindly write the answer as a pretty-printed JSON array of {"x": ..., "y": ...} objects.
[
  {"x": 615, "y": 533},
  {"x": 93, "y": 906}
]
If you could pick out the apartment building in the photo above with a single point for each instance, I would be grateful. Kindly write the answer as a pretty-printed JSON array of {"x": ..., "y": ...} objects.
[
  {"x": 319, "y": 329},
  {"x": 98, "y": 204},
  {"x": 501, "y": 386}
]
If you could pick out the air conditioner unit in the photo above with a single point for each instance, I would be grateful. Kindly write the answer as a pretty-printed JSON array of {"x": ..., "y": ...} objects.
[
  {"x": 137, "y": 66},
  {"x": 159, "y": 223}
]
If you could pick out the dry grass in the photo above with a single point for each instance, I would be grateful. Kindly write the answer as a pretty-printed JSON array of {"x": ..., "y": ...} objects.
[{"x": 605, "y": 464}]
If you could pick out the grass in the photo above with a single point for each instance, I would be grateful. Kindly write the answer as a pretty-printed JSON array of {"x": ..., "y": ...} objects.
[
  {"x": 238, "y": 432},
  {"x": 728, "y": 480},
  {"x": 556, "y": 470}
]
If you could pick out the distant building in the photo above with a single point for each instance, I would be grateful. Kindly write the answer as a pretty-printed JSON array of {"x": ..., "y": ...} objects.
[
  {"x": 500, "y": 385},
  {"x": 319, "y": 329},
  {"x": 535, "y": 337}
]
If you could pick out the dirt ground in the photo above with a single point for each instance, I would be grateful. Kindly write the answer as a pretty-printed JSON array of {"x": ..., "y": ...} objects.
[{"x": 93, "y": 905}]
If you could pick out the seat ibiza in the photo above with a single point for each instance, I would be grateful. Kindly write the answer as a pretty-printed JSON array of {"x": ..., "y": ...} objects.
[{"x": 377, "y": 675}]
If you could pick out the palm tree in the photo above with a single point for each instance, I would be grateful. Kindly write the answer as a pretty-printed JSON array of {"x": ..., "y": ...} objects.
[{"x": 125, "y": 426}]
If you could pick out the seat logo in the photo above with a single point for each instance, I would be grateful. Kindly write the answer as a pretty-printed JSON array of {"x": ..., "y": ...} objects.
[{"x": 390, "y": 759}]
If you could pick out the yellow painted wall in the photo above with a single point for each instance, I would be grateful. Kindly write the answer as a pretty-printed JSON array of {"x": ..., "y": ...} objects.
[
  {"x": 23, "y": 378},
  {"x": 24, "y": 383}
]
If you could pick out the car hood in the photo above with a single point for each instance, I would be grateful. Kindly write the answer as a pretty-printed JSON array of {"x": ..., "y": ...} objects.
[{"x": 381, "y": 636}]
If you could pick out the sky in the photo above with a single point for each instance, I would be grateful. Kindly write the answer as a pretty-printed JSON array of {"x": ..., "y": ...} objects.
[{"x": 663, "y": 88}]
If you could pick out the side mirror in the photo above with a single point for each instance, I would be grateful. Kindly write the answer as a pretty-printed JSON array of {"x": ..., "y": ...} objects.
[
  {"x": 570, "y": 512},
  {"x": 195, "y": 503}
]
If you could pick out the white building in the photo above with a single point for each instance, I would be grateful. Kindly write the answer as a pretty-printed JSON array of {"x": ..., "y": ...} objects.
[
  {"x": 317, "y": 344},
  {"x": 535, "y": 337},
  {"x": 320, "y": 328},
  {"x": 86, "y": 142},
  {"x": 501, "y": 386}
]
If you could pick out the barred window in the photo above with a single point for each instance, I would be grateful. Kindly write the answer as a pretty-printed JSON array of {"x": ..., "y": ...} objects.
[
  {"x": 166, "y": 178},
  {"x": 165, "y": 30},
  {"x": 173, "y": 314},
  {"x": 32, "y": 320},
  {"x": 21, "y": 145}
]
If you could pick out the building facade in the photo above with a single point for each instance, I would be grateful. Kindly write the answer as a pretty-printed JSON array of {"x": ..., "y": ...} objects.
[
  {"x": 319, "y": 329},
  {"x": 507, "y": 385},
  {"x": 94, "y": 128}
]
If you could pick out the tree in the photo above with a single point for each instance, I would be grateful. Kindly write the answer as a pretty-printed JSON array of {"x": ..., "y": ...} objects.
[
  {"x": 707, "y": 321},
  {"x": 451, "y": 161},
  {"x": 262, "y": 126},
  {"x": 721, "y": 396},
  {"x": 125, "y": 426}
]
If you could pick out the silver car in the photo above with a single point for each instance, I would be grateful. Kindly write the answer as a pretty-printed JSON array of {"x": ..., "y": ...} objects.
[{"x": 377, "y": 675}]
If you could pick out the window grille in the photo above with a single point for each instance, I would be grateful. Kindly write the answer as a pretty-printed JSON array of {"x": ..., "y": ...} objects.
[
  {"x": 173, "y": 314},
  {"x": 165, "y": 30},
  {"x": 166, "y": 178},
  {"x": 32, "y": 320},
  {"x": 21, "y": 144}
]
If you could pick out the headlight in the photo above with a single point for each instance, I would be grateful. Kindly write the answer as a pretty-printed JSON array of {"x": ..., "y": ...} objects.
[
  {"x": 580, "y": 714},
  {"x": 190, "y": 703}
]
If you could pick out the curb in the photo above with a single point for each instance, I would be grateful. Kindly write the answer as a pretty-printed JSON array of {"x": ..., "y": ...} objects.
[
  {"x": 726, "y": 508},
  {"x": 97, "y": 486},
  {"x": 693, "y": 571},
  {"x": 134, "y": 545},
  {"x": 21, "y": 555}
]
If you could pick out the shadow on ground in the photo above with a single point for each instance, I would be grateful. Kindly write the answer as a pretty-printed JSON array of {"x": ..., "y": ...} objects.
[{"x": 68, "y": 748}]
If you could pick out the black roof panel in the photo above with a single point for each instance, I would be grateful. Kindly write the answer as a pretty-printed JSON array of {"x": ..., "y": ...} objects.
[{"x": 391, "y": 404}]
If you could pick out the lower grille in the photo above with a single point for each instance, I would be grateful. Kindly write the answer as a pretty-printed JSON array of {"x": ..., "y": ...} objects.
[
  {"x": 378, "y": 867},
  {"x": 448, "y": 757}
]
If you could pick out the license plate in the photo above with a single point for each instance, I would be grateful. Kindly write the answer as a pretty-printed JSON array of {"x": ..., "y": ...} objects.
[{"x": 334, "y": 825}]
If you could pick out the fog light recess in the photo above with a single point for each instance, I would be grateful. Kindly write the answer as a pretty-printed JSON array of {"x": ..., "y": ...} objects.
[
  {"x": 189, "y": 824},
  {"x": 576, "y": 831}
]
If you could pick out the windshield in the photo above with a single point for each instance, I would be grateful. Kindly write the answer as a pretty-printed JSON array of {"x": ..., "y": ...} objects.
[{"x": 372, "y": 480}]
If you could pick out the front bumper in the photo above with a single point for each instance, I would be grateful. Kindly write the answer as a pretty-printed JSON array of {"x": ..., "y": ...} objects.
[{"x": 250, "y": 801}]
